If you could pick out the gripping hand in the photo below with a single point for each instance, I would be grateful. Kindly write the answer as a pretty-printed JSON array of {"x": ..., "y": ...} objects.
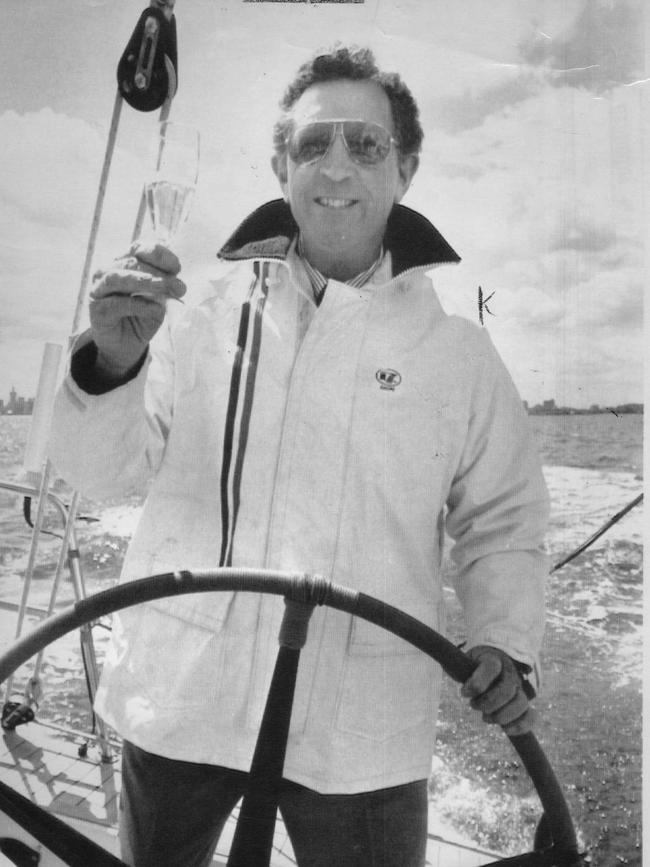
[
  {"x": 498, "y": 691},
  {"x": 127, "y": 305}
]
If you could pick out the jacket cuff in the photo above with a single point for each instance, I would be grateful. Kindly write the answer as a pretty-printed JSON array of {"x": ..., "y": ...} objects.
[
  {"x": 92, "y": 381},
  {"x": 524, "y": 671}
]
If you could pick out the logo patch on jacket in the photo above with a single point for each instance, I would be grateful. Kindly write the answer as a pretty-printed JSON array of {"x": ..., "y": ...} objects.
[{"x": 388, "y": 379}]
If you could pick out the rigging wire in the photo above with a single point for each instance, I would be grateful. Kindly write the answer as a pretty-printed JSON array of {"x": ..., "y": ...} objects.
[{"x": 606, "y": 526}]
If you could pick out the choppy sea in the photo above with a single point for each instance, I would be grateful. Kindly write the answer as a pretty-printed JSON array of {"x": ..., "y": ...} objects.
[{"x": 593, "y": 466}]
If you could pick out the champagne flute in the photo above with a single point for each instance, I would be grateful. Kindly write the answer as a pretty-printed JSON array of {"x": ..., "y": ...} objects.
[{"x": 170, "y": 188}]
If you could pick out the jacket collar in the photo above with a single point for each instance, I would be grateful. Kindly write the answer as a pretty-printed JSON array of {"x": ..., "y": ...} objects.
[{"x": 268, "y": 232}]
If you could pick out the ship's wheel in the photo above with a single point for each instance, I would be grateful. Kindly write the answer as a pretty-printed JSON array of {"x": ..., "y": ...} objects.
[{"x": 555, "y": 842}]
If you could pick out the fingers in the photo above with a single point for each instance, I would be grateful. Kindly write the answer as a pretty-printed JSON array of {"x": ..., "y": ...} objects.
[
  {"x": 486, "y": 673},
  {"x": 128, "y": 281},
  {"x": 496, "y": 691},
  {"x": 109, "y": 311},
  {"x": 148, "y": 269},
  {"x": 156, "y": 257},
  {"x": 502, "y": 713}
]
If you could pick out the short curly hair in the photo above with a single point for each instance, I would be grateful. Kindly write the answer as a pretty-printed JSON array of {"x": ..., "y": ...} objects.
[{"x": 353, "y": 64}]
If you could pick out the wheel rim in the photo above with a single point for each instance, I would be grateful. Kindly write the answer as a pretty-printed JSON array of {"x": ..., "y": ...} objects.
[{"x": 315, "y": 591}]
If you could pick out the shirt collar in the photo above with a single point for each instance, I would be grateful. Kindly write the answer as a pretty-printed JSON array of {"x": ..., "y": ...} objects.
[{"x": 319, "y": 281}]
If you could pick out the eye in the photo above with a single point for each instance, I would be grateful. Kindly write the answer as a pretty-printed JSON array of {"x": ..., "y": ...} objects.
[
  {"x": 309, "y": 144},
  {"x": 368, "y": 143},
  {"x": 313, "y": 146}
]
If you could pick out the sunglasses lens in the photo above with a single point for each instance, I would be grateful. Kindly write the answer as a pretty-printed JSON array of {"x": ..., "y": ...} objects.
[
  {"x": 367, "y": 143},
  {"x": 310, "y": 143}
]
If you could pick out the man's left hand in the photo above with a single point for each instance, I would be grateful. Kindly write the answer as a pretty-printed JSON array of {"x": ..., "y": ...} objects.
[{"x": 496, "y": 690}]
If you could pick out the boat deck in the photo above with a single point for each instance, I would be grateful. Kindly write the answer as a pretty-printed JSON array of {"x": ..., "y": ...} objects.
[{"x": 43, "y": 765}]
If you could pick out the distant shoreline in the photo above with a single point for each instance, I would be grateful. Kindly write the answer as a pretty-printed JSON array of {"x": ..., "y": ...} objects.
[{"x": 626, "y": 409}]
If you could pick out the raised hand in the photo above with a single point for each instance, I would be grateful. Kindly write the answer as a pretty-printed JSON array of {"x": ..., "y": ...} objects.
[{"x": 127, "y": 305}]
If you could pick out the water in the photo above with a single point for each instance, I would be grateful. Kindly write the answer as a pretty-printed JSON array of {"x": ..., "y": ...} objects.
[
  {"x": 593, "y": 467},
  {"x": 597, "y": 442}
]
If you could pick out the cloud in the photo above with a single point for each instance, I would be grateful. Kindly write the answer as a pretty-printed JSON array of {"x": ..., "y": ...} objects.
[
  {"x": 602, "y": 49},
  {"x": 48, "y": 182},
  {"x": 597, "y": 49},
  {"x": 528, "y": 304},
  {"x": 577, "y": 359},
  {"x": 565, "y": 327},
  {"x": 462, "y": 170},
  {"x": 544, "y": 204},
  {"x": 560, "y": 170},
  {"x": 584, "y": 236},
  {"x": 470, "y": 109},
  {"x": 608, "y": 303}
]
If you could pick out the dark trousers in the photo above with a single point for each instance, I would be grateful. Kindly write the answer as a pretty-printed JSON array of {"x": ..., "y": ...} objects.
[{"x": 172, "y": 814}]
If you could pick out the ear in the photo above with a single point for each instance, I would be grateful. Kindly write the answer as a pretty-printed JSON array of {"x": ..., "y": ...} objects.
[
  {"x": 407, "y": 167},
  {"x": 279, "y": 166}
]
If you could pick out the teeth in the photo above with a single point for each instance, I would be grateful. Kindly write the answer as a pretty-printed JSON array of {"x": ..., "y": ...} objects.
[{"x": 335, "y": 203}]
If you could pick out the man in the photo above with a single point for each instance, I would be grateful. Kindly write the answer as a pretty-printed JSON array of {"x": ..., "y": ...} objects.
[{"x": 319, "y": 413}]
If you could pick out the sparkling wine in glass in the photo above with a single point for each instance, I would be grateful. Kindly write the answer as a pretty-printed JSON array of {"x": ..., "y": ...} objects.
[{"x": 170, "y": 189}]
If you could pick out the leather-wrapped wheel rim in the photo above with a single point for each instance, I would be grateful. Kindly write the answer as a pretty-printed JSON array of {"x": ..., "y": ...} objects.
[{"x": 318, "y": 591}]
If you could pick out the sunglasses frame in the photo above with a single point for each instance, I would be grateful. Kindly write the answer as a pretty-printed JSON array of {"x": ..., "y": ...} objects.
[{"x": 337, "y": 124}]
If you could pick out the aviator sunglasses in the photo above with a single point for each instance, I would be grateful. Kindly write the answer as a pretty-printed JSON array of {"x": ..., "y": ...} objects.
[{"x": 367, "y": 143}]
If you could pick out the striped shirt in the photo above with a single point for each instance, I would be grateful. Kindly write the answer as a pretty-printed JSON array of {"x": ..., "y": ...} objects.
[{"x": 319, "y": 281}]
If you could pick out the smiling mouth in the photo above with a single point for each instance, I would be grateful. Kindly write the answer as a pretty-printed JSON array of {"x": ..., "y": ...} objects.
[{"x": 328, "y": 202}]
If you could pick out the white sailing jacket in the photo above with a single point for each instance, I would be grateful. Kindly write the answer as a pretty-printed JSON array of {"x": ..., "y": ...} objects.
[{"x": 340, "y": 440}]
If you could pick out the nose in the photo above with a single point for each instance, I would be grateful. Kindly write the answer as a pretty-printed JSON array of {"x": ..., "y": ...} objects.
[{"x": 336, "y": 164}]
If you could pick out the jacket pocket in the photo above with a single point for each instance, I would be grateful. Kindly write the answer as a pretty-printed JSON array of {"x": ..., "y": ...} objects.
[
  {"x": 385, "y": 696},
  {"x": 175, "y": 532},
  {"x": 178, "y": 664},
  {"x": 205, "y": 610},
  {"x": 388, "y": 686}
]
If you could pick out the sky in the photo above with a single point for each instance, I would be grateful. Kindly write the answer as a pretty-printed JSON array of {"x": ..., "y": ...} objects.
[{"x": 532, "y": 165}]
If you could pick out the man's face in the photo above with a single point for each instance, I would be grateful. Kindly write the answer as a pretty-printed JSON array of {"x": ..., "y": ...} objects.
[{"x": 341, "y": 207}]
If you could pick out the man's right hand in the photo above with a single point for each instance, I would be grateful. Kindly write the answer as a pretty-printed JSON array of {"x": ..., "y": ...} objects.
[{"x": 127, "y": 305}]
